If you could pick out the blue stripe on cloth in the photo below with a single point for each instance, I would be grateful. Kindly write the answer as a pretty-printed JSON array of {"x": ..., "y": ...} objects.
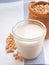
[
  {"x": 40, "y": 59},
  {"x": 25, "y": 9},
  {"x": 6, "y": 1}
]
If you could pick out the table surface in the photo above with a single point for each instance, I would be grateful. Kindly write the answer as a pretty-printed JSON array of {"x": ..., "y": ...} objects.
[{"x": 9, "y": 16}]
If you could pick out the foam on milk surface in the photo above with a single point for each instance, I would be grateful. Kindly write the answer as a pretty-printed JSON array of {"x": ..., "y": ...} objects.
[{"x": 29, "y": 31}]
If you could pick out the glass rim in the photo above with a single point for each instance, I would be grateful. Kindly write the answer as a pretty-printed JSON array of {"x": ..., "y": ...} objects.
[{"x": 26, "y": 39}]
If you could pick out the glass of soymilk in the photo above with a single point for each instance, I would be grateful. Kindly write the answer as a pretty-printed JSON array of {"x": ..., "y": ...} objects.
[{"x": 29, "y": 36}]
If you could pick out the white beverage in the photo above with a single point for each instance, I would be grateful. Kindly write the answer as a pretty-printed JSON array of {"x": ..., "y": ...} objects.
[
  {"x": 29, "y": 31},
  {"x": 32, "y": 40}
]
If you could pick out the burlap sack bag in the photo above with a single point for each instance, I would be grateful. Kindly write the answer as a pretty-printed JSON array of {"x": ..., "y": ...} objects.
[{"x": 41, "y": 17}]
